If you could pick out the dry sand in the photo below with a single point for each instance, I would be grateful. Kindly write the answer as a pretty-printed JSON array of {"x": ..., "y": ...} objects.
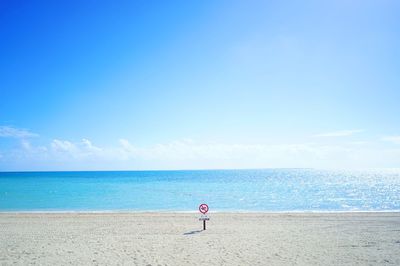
[{"x": 176, "y": 239}]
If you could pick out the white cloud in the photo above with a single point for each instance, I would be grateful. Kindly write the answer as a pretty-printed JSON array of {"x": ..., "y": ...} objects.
[
  {"x": 80, "y": 150},
  {"x": 189, "y": 154},
  {"x": 12, "y": 132},
  {"x": 126, "y": 145},
  {"x": 340, "y": 133},
  {"x": 63, "y": 146},
  {"x": 184, "y": 154},
  {"x": 393, "y": 139},
  {"x": 87, "y": 144}
]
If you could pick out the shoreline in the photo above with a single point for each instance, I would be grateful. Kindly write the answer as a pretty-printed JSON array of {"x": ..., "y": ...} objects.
[{"x": 193, "y": 212}]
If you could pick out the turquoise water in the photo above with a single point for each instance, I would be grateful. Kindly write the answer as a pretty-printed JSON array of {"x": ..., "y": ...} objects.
[{"x": 222, "y": 190}]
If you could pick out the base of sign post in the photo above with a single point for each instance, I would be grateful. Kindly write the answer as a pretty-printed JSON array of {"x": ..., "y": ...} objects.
[{"x": 204, "y": 224}]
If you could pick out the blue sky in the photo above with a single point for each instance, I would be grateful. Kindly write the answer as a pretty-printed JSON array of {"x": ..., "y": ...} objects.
[{"x": 93, "y": 85}]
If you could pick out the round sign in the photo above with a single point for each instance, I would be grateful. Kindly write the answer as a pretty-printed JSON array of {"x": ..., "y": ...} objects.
[{"x": 203, "y": 208}]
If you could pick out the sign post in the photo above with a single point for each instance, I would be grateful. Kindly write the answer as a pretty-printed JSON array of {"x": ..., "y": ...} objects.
[{"x": 203, "y": 208}]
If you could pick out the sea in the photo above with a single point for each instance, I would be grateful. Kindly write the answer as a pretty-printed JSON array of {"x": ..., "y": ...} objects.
[{"x": 265, "y": 190}]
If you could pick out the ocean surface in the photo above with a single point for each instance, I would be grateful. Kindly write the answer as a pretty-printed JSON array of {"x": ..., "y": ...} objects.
[{"x": 272, "y": 190}]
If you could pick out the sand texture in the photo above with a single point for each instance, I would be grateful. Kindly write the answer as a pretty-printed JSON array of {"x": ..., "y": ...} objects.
[{"x": 176, "y": 239}]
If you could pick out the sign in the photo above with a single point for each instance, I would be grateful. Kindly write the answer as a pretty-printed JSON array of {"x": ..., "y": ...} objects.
[
  {"x": 203, "y": 208},
  {"x": 204, "y": 218}
]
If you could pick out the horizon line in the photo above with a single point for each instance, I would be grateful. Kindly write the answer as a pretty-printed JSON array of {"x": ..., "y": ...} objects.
[{"x": 205, "y": 169}]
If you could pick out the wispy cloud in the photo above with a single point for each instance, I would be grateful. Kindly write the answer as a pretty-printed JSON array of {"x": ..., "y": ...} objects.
[
  {"x": 190, "y": 154},
  {"x": 61, "y": 154},
  {"x": 81, "y": 149},
  {"x": 393, "y": 139},
  {"x": 12, "y": 132},
  {"x": 87, "y": 144},
  {"x": 340, "y": 133},
  {"x": 63, "y": 146}
]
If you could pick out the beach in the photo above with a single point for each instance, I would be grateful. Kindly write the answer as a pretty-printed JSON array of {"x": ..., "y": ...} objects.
[{"x": 178, "y": 239}]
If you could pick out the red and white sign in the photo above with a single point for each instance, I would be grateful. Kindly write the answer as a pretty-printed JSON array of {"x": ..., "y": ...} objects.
[{"x": 203, "y": 208}]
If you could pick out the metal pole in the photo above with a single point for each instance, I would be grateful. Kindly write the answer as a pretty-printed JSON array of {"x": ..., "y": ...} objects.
[{"x": 204, "y": 224}]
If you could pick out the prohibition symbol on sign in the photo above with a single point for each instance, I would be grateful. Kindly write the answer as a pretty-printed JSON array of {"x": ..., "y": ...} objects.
[{"x": 203, "y": 208}]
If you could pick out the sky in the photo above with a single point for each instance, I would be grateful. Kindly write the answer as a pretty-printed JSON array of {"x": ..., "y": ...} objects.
[{"x": 141, "y": 85}]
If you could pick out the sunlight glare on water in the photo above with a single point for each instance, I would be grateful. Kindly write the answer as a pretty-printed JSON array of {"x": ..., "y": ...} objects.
[{"x": 223, "y": 190}]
